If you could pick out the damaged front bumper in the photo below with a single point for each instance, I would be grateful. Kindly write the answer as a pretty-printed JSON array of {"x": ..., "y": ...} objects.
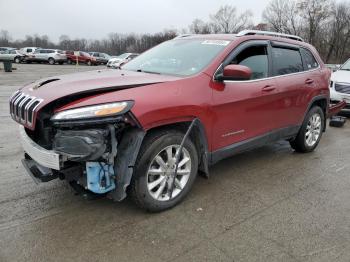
[
  {"x": 87, "y": 157},
  {"x": 42, "y": 156}
]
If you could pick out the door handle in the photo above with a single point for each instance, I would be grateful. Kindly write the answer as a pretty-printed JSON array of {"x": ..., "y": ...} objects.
[
  {"x": 268, "y": 88},
  {"x": 309, "y": 81}
]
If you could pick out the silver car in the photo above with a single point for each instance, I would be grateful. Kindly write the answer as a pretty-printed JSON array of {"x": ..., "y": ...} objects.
[
  {"x": 2, "y": 48},
  {"x": 51, "y": 56},
  {"x": 121, "y": 60},
  {"x": 12, "y": 55}
]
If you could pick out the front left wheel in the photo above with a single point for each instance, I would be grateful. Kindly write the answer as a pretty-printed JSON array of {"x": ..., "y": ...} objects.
[{"x": 153, "y": 186}]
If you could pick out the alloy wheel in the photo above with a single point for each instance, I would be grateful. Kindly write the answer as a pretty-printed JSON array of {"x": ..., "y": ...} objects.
[
  {"x": 161, "y": 170},
  {"x": 313, "y": 129}
]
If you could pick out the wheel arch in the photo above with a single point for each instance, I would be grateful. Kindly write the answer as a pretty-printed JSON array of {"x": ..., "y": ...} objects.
[
  {"x": 197, "y": 135},
  {"x": 132, "y": 141},
  {"x": 323, "y": 103}
]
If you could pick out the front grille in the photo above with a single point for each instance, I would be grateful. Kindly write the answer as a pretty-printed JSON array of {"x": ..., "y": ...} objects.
[
  {"x": 342, "y": 88},
  {"x": 22, "y": 107}
]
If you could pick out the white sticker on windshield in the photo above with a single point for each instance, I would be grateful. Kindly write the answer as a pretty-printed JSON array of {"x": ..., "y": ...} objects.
[{"x": 215, "y": 42}]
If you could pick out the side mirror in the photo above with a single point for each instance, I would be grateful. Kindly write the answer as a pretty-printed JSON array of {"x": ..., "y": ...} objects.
[{"x": 235, "y": 72}]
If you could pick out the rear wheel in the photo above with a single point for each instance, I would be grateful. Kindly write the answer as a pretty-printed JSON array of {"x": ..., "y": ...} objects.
[
  {"x": 88, "y": 63},
  {"x": 152, "y": 182},
  {"x": 69, "y": 61},
  {"x": 17, "y": 59},
  {"x": 310, "y": 132},
  {"x": 51, "y": 61}
]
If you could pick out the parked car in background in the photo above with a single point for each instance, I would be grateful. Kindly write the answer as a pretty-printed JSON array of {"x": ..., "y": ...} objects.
[
  {"x": 74, "y": 57},
  {"x": 340, "y": 85},
  {"x": 12, "y": 55},
  {"x": 177, "y": 108},
  {"x": 2, "y": 49},
  {"x": 51, "y": 56},
  {"x": 333, "y": 67},
  {"x": 121, "y": 60},
  {"x": 28, "y": 50},
  {"x": 101, "y": 58}
]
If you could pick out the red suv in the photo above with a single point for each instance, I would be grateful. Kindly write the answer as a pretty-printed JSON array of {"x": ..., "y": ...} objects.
[
  {"x": 178, "y": 108},
  {"x": 74, "y": 57}
]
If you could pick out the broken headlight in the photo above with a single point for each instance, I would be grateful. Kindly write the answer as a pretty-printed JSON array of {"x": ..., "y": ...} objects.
[{"x": 95, "y": 111}]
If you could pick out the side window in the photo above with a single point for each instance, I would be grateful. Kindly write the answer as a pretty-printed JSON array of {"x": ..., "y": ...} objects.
[
  {"x": 29, "y": 50},
  {"x": 286, "y": 61},
  {"x": 254, "y": 57},
  {"x": 309, "y": 60}
]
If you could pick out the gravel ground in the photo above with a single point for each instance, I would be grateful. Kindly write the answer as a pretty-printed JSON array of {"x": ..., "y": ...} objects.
[{"x": 270, "y": 204}]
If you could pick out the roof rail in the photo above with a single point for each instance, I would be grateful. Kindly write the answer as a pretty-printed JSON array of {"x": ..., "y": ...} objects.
[{"x": 257, "y": 32}]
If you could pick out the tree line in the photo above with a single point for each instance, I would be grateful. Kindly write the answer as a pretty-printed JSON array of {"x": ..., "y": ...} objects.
[{"x": 322, "y": 23}]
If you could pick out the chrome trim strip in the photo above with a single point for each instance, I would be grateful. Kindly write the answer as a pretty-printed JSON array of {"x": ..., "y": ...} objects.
[
  {"x": 262, "y": 79},
  {"x": 44, "y": 157}
]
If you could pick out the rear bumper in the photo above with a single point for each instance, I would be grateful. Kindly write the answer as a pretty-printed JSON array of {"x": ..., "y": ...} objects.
[{"x": 42, "y": 156}]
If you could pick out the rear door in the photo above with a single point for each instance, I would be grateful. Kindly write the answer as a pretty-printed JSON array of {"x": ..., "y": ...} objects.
[
  {"x": 292, "y": 82},
  {"x": 243, "y": 109}
]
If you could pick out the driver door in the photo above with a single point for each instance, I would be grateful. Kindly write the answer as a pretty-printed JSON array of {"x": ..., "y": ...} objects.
[{"x": 243, "y": 109}]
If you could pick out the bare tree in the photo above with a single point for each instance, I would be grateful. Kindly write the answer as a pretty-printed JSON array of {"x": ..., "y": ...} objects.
[
  {"x": 5, "y": 38},
  {"x": 283, "y": 16},
  {"x": 227, "y": 20},
  {"x": 339, "y": 30},
  {"x": 315, "y": 14},
  {"x": 200, "y": 27}
]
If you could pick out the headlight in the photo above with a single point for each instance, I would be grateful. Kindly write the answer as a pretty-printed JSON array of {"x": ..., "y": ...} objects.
[{"x": 103, "y": 110}]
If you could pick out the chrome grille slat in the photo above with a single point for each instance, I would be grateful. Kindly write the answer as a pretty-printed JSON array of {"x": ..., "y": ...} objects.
[
  {"x": 15, "y": 98},
  {"x": 342, "y": 88},
  {"x": 23, "y": 106},
  {"x": 20, "y": 107}
]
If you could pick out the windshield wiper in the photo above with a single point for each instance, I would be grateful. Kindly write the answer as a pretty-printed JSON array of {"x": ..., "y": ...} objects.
[
  {"x": 148, "y": 72},
  {"x": 344, "y": 69}
]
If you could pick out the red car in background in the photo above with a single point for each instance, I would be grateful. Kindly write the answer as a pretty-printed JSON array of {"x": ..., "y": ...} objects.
[{"x": 74, "y": 57}]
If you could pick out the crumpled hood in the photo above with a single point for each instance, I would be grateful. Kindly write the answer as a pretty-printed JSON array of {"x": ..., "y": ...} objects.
[
  {"x": 341, "y": 76},
  {"x": 37, "y": 95},
  {"x": 52, "y": 88}
]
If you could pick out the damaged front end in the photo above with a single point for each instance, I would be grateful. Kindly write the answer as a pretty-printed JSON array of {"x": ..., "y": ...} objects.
[{"x": 94, "y": 147}]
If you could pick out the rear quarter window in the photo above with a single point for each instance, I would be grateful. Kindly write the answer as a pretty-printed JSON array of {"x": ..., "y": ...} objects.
[
  {"x": 309, "y": 60},
  {"x": 286, "y": 61}
]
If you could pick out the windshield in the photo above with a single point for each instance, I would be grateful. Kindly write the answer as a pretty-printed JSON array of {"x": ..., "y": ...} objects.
[
  {"x": 346, "y": 66},
  {"x": 178, "y": 57}
]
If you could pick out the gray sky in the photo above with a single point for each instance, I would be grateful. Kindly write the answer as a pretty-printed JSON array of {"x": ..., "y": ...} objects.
[{"x": 97, "y": 18}]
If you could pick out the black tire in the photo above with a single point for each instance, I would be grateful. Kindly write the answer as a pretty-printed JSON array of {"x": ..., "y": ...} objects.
[
  {"x": 300, "y": 144},
  {"x": 152, "y": 145},
  {"x": 51, "y": 61},
  {"x": 69, "y": 61},
  {"x": 17, "y": 60},
  {"x": 88, "y": 63}
]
